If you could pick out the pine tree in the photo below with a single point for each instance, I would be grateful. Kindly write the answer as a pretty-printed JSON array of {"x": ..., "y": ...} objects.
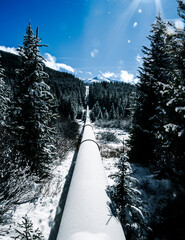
[
  {"x": 162, "y": 68},
  {"x": 30, "y": 115},
  {"x": 96, "y": 112},
  {"x": 177, "y": 101},
  {"x": 173, "y": 110},
  {"x": 142, "y": 137},
  {"x": 26, "y": 231},
  {"x": 128, "y": 202},
  {"x": 4, "y": 96},
  {"x": 106, "y": 115},
  {"x": 147, "y": 122},
  {"x": 112, "y": 112}
]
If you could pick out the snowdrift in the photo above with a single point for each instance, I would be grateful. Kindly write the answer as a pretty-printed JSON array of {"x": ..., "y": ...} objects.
[{"x": 88, "y": 213}]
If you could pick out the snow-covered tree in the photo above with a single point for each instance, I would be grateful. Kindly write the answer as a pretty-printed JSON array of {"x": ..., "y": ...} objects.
[
  {"x": 158, "y": 133},
  {"x": 4, "y": 95},
  {"x": 112, "y": 112},
  {"x": 26, "y": 231},
  {"x": 171, "y": 110},
  {"x": 142, "y": 136},
  {"x": 162, "y": 75},
  {"x": 176, "y": 98},
  {"x": 150, "y": 116},
  {"x": 30, "y": 116},
  {"x": 96, "y": 112},
  {"x": 128, "y": 202},
  {"x": 106, "y": 115}
]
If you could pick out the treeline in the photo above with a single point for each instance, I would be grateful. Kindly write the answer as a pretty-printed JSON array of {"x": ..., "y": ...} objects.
[
  {"x": 31, "y": 131},
  {"x": 157, "y": 138},
  {"x": 68, "y": 90},
  {"x": 111, "y": 101}
]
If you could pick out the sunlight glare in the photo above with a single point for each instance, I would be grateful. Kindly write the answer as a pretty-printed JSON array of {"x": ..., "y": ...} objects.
[
  {"x": 158, "y": 6},
  {"x": 124, "y": 19}
]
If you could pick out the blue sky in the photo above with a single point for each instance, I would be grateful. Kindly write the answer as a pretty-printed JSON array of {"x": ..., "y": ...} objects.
[{"x": 86, "y": 37}]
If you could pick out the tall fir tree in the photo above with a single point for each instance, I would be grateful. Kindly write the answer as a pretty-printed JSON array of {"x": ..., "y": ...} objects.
[
  {"x": 144, "y": 141},
  {"x": 161, "y": 72},
  {"x": 177, "y": 99},
  {"x": 173, "y": 95},
  {"x": 30, "y": 115},
  {"x": 4, "y": 96}
]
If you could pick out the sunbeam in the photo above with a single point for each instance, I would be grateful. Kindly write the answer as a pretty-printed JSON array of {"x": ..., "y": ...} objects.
[
  {"x": 158, "y": 6},
  {"x": 122, "y": 22},
  {"x": 125, "y": 18}
]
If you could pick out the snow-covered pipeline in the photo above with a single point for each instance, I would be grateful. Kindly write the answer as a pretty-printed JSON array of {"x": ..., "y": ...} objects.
[{"x": 87, "y": 214}]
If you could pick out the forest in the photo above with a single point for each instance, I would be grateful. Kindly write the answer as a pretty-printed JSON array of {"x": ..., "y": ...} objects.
[
  {"x": 37, "y": 113},
  {"x": 157, "y": 137},
  {"x": 156, "y": 107},
  {"x": 39, "y": 109},
  {"x": 110, "y": 101}
]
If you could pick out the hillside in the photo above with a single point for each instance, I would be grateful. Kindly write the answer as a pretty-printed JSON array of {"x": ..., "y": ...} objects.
[{"x": 69, "y": 90}]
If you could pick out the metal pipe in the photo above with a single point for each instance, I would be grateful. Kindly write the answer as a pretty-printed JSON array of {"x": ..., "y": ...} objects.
[{"x": 88, "y": 213}]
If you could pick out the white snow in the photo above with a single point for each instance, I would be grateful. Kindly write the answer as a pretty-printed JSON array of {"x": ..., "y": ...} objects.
[
  {"x": 179, "y": 109},
  {"x": 170, "y": 126},
  {"x": 111, "y": 151},
  {"x": 87, "y": 214},
  {"x": 41, "y": 212},
  {"x": 89, "y": 236}
]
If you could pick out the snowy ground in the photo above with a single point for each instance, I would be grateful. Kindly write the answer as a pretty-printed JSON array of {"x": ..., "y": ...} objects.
[
  {"x": 110, "y": 151},
  {"x": 155, "y": 192},
  {"x": 43, "y": 211}
]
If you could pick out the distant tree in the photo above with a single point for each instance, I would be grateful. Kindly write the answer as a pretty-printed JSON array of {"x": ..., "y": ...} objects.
[
  {"x": 109, "y": 94},
  {"x": 92, "y": 116},
  {"x": 96, "y": 112},
  {"x": 112, "y": 112},
  {"x": 106, "y": 115},
  {"x": 100, "y": 114}
]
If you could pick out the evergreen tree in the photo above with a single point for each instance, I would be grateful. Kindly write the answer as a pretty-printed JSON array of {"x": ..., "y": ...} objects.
[
  {"x": 162, "y": 67},
  {"x": 128, "y": 202},
  {"x": 92, "y": 116},
  {"x": 30, "y": 115},
  {"x": 112, "y": 112},
  {"x": 147, "y": 123},
  {"x": 100, "y": 114},
  {"x": 111, "y": 93},
  {"x": 96, "y": 112},
  {"x": 142, "y": 137},
  {"x": 106, "y": 115},
  {"x": 26, "y": 231},
  {"x": 2, "y": 96},
  {"x": 176, "y": 100},
  {"x": 172, "y": 135}
]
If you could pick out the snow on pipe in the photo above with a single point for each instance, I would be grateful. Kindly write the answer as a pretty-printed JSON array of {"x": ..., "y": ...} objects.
[{"x": 87, "y": 214}]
